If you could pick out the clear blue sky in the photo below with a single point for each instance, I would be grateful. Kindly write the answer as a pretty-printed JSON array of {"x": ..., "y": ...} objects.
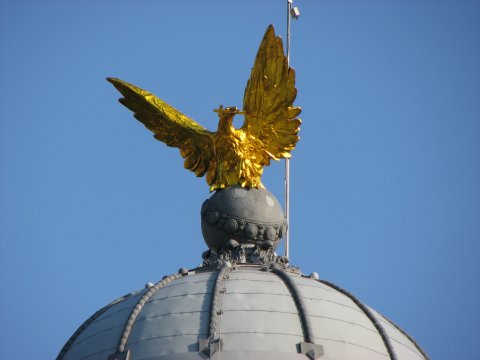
[{"x": 385, "y": 181}]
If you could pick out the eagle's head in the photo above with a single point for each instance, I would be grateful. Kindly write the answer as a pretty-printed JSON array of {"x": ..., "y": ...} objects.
[
  {"x": 225, "y": 116},
  {"x": 227, "y": 113}
]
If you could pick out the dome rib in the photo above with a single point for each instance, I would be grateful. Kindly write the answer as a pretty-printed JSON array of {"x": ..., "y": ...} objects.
[
  {"x": 408, "y": 336},
  {"x": 138, "y": 308},
  {"x": 299, "y": 303},
  {"x": 212, "y": 343},
  {"x": 214, "y": 305},
  {"x": 87, "y": 322},
  {"x": 370, "y": 316}
]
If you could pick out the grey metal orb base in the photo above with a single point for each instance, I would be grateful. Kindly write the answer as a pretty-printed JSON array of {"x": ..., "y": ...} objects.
[{"x": 248, "y": 216}]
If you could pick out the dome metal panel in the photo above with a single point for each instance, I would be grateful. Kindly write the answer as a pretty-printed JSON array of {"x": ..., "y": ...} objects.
[
  {"x": 337, "y": 318},
  {"x": 258, "y": 310},
  {"x": 174, "y": 318},
  {"x": 100, "y": 338},
  {"x": 258, "y": 313},
  {"x": 404, "y": 346}
]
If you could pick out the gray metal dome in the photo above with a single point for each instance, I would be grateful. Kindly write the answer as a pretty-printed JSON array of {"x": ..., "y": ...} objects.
[{"x": 239, "y": 312}]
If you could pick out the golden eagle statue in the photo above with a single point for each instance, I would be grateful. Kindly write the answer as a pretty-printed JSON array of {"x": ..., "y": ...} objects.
[{"x": 230, "y": 156}]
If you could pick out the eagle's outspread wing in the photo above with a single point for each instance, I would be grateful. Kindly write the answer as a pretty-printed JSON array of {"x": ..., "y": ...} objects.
[
  {"x": 169, "y": 126},
  {"x": 270, "y": 123}
]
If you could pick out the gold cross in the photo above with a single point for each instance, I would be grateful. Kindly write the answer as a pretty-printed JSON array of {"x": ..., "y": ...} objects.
[{"x": 220, "y": 111}]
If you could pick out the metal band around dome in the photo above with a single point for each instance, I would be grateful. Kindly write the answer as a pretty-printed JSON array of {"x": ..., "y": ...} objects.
[
  {"x": 370, "y": 316},
  {"x": 139, "y": 306}
]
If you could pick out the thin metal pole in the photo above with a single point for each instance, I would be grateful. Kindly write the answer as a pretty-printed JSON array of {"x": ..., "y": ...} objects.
[{"x": 287, "y": 161}]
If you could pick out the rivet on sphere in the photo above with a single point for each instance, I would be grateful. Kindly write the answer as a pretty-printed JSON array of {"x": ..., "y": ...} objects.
[
  {"x": 271, "y": 233},
  {"x": 239, "y": 192},
  {"x": 251, "y": 231},
  {"x": 231, "y": 225},
  {"x": 269, "y": 201}
]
